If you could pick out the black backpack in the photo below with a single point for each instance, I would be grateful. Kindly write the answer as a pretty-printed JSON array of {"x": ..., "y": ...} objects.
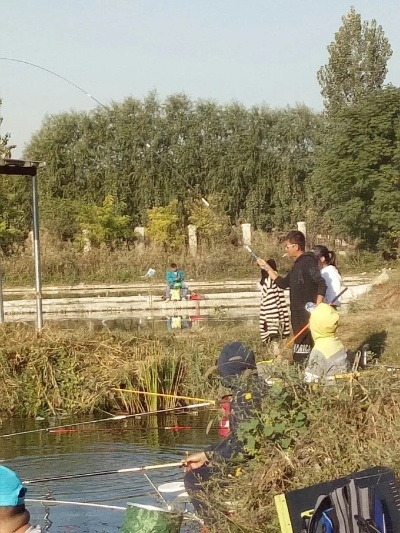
[{"x": 348, "y": 509}]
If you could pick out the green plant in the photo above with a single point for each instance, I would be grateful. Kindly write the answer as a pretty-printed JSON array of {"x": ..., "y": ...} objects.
[{"x": 281, "y": 424}]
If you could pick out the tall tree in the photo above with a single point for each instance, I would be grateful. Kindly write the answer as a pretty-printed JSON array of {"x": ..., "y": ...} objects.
[
  {"x": 356, "y": 183},
  {"x": 357, "y": 63}
]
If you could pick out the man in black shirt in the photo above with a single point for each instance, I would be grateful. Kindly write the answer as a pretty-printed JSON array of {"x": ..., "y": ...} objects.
[{"x": 306, "y": 285}]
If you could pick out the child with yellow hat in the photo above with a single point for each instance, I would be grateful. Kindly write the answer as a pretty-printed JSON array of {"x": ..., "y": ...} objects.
[{"x": 328, "y": 358}]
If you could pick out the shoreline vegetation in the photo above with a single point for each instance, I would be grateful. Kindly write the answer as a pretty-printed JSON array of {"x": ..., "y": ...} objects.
[
  {"x": 311, "y": 436},
  {"x": 75, "y": 371},
  {"x": 67, "y": 265}
]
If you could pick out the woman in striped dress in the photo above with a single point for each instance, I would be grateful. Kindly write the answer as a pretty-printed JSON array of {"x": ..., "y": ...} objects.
[{"x": 274, "y": 315}]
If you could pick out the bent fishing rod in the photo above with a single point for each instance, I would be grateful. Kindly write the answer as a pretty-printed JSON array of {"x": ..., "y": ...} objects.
[
  {"x": 108, "y": 419},
  {"x": 105, "y": 473},
  {"x": 81, "y": 89}
]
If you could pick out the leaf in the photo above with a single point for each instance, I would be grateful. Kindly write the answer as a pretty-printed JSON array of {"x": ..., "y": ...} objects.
[{"x": 285, "y": 443}]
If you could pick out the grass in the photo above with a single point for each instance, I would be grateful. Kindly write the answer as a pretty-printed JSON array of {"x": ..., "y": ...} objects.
[
  {"x": 355, "y": 427},
  {"x": 347, "y": 430},
  {"x": 63, "y": 264}
]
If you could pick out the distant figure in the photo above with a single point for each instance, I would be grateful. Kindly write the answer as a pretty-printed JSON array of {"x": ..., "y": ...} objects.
[
  {"x": 174, "y": 279},
  {"x": 330, "y": 273},
  {"x": 14, "y": 518},
  {"x": 328, "y": 357},
  {"x": 306, "y": 285},
  {"x": 274, "y": 315}
]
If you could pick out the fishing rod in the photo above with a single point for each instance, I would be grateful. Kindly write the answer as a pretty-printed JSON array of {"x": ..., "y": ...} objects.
[
  {"x": 105, "y": 473},
  {"x": 162, "y": 395},
  {"x": 81, "y": 89},
  {"x": 110, "y": 430},
  {"x": 82, "y": 504},
  {"x": 109, "y": 419},
  {"x": 303, "y": 329}
]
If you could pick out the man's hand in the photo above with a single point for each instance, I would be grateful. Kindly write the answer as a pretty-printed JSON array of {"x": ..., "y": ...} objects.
[
  {"x": 265, "y": 266},
  {"x": 262, "y": 264},
  {"x": 196, "y": 460}
]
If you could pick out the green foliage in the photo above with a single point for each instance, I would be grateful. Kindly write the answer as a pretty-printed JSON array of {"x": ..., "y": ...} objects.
[
  {"x": 356, "y": 182},
  {"x": 357, "y": 62},
  {"x": 106, "y": 224},
  {"x": 163, "y": 226},
  {"x": 212, "y": 223},
  {"x": 281, "y": 424},
  {"x": 147, "y": 153}
]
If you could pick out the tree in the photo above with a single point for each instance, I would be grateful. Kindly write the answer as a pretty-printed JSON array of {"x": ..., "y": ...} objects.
[
  {"x": 357, "y": 62},
  {"x": 356, "y": 183},
  {"x": 106, "y": 224},
  {"x": 163, "y": 226}
]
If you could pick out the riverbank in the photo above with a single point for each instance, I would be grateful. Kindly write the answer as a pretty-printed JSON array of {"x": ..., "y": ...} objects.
[
  {"x": 77, "y": 372},
  {"x": 64, "y": 264}
]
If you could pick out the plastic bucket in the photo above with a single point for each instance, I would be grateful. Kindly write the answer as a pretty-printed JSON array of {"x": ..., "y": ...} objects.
[
  {"x": 175, "y": 294},
  {"x": 149, "y": 519}
]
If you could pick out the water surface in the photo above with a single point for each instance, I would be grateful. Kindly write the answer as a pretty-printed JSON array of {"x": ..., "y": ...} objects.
[{"x": 101, "y": 446}]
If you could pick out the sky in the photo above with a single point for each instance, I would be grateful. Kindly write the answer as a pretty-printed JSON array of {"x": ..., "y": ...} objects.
[{"x": 251, "y": 51}]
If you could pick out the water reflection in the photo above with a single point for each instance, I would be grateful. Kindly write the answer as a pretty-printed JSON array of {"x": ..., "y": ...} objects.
[
  {"x": 104, "y": 446},
  {"x": 152, "y": 324}
]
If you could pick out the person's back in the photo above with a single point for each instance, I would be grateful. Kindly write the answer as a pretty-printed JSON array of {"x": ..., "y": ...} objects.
[
  {"x": 274, "y": 316},
  {"x": 327, "y": 265},
  {"x": 328, "y": 357}
]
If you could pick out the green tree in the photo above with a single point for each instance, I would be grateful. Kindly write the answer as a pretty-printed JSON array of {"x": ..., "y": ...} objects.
[
  {"x": 106, "y": 224},
  {"x": 357, "y": 62},
  {"x": 163, "y": 226},
  {"x": 356, "y": 183}
]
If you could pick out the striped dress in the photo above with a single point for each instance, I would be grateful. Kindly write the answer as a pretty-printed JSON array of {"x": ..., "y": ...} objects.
[{"x": 274, "y": 314}]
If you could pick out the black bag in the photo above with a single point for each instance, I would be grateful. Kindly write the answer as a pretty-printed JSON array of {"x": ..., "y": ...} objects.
[{"x": 348, "y": 509}]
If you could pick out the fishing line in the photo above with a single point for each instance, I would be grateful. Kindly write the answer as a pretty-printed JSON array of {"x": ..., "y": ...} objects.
[
  {"x": 82, "y": 504},
  {"x": 112, "y": 419},
  {"x": 81, "y": 89}
]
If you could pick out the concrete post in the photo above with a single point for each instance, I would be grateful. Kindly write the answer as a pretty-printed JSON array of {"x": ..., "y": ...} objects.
[
  {"x": 246, "y": 234},
  {"x": 140, "y": 232},
  {"x": 192, "y": 233},
  {"x": 87, "y": 247},
  {"x": 30, "y": 239},
  {"x": 301, "y": 226}
]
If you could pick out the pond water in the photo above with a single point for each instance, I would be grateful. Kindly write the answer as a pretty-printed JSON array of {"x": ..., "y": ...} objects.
[{"x": 97, "y": 447}]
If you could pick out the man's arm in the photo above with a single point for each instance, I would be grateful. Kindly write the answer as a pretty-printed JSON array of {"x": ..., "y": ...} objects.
[{"x": 283, "y": 283}]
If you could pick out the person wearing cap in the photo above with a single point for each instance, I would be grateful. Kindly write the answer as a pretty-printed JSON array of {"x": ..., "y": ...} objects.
[
  {"x": 237, "y": 368},
  {"x": 328, "y": 358},
  {"x": 14, "y": 517}
]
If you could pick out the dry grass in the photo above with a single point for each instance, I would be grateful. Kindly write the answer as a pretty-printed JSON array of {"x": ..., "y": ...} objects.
[{"x": 349, "y": 429}]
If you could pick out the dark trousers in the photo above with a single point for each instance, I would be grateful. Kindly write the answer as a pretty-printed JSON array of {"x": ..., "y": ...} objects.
[
  {"x": 303, "y": 344},
  {"x": 194, "y": 482}
]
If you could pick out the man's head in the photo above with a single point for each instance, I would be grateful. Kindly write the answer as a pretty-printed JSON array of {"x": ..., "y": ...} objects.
[
  {"x": 295, "y": 244},
  {"x": 235, "y": 358},
  {"x": 174, "y": 266},
  {"x": 13, "y": 515},
  {"x": 11, "y": 490}
]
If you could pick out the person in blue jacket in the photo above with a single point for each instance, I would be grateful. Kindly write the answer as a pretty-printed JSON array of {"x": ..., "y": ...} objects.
[
  {"x": 238, "y": 371},
  {"x": 173, "y": 277}
]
